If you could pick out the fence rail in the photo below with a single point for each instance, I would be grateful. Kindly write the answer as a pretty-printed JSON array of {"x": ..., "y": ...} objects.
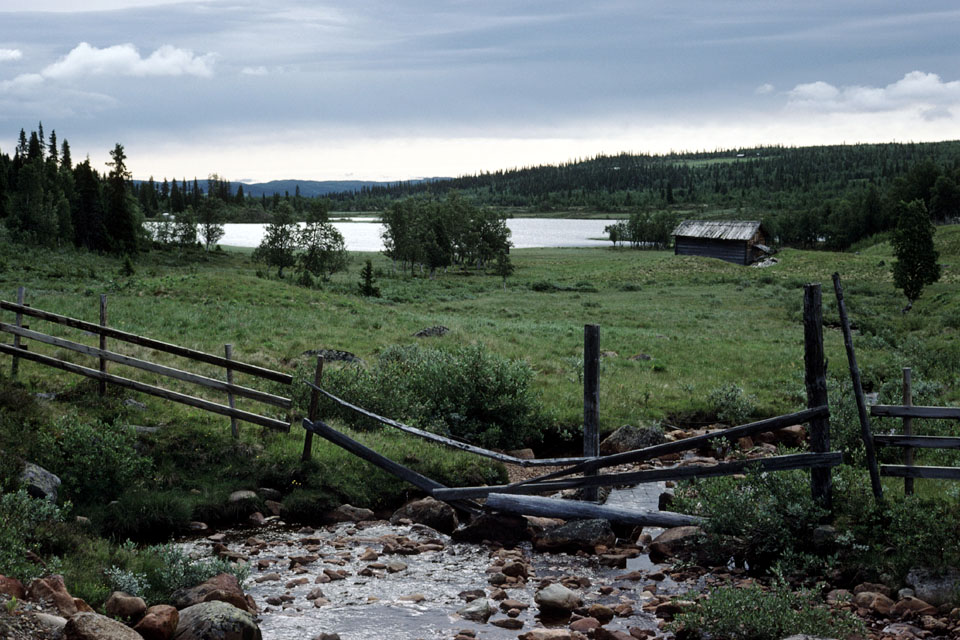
[{"x": 19, "y": 351}]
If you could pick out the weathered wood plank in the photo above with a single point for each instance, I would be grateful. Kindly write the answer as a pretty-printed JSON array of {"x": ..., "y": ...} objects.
[
  {"x": 777, "y": 463},
  {"x": 916, "y": 411},
  {"x": 936, "y": 473},
  {"x": 591, "y": 399},
  {"x": 908, "y": 427},
  {"x": 199, "y": 403},
  {"x": 572, "y": 509},
  {"x": 865, "y": 433},
  {"x": 366, "y": 453},
  {"x": 242, "y": 367},
  {"x": 919, "y": 442},
  {"x": 455, "y": 444},
  {"x": 815, "y": 380},
  {"x": 687, "y": 444},
  {"x": 103, "y": 342},
  {"x": 313, "y": 413},
  {"x": 170, "y": 372},
  {"x": 15, "y": 365},
  {"x": 234, "y": 427}
]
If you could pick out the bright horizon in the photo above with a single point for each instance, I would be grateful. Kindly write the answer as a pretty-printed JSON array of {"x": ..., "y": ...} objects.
[{"x": 289, "y": 89}]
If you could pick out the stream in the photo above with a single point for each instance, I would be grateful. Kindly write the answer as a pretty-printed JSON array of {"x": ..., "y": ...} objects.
[{"x": 373, "y": 579}]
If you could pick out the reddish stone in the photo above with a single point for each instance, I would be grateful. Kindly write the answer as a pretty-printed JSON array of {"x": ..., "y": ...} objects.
[
  {"x": 52, "y": 590},
  {"x": 158, "y": 623},
  {"x": 12, "y": 587}
]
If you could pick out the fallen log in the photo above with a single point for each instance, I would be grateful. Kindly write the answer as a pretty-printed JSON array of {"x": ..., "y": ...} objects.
[{"x": 572, "y": 510}]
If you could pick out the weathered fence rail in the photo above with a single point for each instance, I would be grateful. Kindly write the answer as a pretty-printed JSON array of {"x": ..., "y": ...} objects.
[{"x": 18, "y": 351}]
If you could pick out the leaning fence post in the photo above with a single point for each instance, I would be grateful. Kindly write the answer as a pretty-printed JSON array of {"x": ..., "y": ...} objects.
[
  {"x": 15, "y": 367},
  {"x": 907, "y": 429},
  {"x": 865, "y": 431},
  {"x": 591, "y": 399},
  {"x": 313, "y": 411},
  {"x": 234, "y": 427},
  {"x": 103, "y": 341},
  {"x": 815, "y": 379}
]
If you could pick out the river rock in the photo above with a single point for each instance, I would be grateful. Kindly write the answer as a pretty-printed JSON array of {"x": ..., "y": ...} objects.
[
  {"x": 803, "y": 636},
  {"x": 158, "y": 623},
  {"x": 875, "y": 602},
  {"x": 221, "y": 588},
  {"x": 913, "y": 605},
  {"x": 216, "y": 621},
  {"x": 349, "y": 513},
  {"x": 39, "y": 482},
  {"x": 547, "y": 634},
  {"x": 51, "y": 589},
  {"x": 243, "y": 494},
  {"x": 53, "y": 624},
  {"x": 504, "y": 528},
  {"x": 478, "y": 610},
  {"x": 585, "y": 625},
  {"x": 93, "y": 626},
  {"x": 629, "y": 437},
  {"x": 433, "y": 513},
  {"x": 557, "y": 597},
  {"x": 934, "y": 587},
  {"x": 671, "y": 541},
  {"x": 577, "y": 535},
  {"x": 124, "y": 606}
]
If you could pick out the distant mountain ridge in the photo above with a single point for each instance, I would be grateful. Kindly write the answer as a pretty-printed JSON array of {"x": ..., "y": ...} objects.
[{"x": 308, "y": 188}]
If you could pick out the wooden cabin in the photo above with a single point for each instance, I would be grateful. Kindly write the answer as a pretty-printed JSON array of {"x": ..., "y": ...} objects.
[{"x": 737, "y": 241}]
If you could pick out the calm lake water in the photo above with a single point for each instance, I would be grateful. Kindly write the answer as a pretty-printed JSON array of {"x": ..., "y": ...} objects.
[{"x": 526, "y": 233}]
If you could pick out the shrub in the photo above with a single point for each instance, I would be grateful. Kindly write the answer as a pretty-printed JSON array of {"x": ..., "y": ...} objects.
[
  {"x": 95, "y": 460},
  {"x": 26, "y": 524},
  {"x": 731, "y": 404},
  {"x": 751, "y": 613},
  {"x": 146, "y": 515},
  {"x": 468, "y": 393}
]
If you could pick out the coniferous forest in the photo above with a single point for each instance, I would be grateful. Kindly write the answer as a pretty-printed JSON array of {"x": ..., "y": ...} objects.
[{"x": 826, "y": 197}]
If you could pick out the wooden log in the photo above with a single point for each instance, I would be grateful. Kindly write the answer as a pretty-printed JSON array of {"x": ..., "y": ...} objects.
[
  {"x": 234, "y": 427},
  {"x": 366, "y": 453},
  {"x": 907, "y": 429},
  {"x": 919, "y": 442},
  {"x": 448, "y": 442},
  {"x": 648, "y": 453},
  {"x": 15, "y": 365},
  {"x": 935, "y": 473},
  {"x": 865, "y": 432},
  {"x": 777, "y": 463},
  {"x": 815, "y": 379},
  {"x": 170, "y": 372},
  {"x": 572, "y": 509},
  {"x": 916, "y": 411},
  {"x": 149, "y": 343},
  {"x": 199, "y": 403},
  {"x": 103, "y": 342},
  {"x": 591, "y": 399},
  {"x": 314, "y": 410}
]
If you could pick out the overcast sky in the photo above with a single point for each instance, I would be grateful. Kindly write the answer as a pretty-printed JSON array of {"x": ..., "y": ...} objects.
[{"x": 386, "y": 90}]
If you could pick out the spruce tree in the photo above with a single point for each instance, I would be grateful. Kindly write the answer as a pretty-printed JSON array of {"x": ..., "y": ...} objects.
[
  {"x": 916, "y": 265},
  {"x": 120, "y": 217}
]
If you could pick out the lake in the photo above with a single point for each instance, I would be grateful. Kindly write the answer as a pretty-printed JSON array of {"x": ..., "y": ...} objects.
[{"x": 526, "y": 233}]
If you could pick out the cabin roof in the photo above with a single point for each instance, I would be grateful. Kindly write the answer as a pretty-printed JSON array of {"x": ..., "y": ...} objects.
[{"x": 718, "y": 229}]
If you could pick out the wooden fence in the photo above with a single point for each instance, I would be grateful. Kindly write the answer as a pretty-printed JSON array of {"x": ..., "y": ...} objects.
[{"x": 20, "y": 351}]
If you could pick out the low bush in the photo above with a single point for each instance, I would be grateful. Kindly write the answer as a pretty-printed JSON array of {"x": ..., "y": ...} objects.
[
  {"x": 145, "y": 515},
  {"x": 26, "y": 525},
  {"x": 753, "y": 613},
  {"x": 468, "y": 393},
  {"x": 731, "y": 405}
]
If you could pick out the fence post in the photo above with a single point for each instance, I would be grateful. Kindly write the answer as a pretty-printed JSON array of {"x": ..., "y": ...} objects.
[
  {"x": 15, "y": 367},
  {"x": 815, "y": 379},
  {"x": 865, "y": 431},
  {"x": 103, "y": 341},
  {"x": 234, "y": 427},
  {"x": 591, "y": 399},
  {"x": 907, "y": 429},
  {"x": 313, "y": 411}
]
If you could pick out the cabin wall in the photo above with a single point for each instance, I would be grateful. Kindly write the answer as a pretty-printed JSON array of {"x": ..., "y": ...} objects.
[{"x": 730, "y": 250}]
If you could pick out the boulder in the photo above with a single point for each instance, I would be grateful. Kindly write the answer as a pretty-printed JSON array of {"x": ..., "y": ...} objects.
[
  {"x": 216, "y": 621},
  {"x": 52, "y": 590},
  {"x": 914, "y": 606},
  {"x": 433, "y": 513},
  {"x": 577, "y": 535},
  {"x": 93, "y": 626},
  {"x": 39, "y": 482},
  {"x": 349, "y": 513},
  {"x": 124, "y": 606},
  {"x": 158, "y": 623},
  {"x": 504, "y": 528},
  {"x": 671, "y": 541},
  {"x": 478, "y": 610},
  {"x": 220, "y": 588},
  {"x": 875, "y": 602},
  {"x": 932, "y": 586},
  {"x": 241, "y": 495},
  {"x": 557, "y": 597},
  {"x": 48, "y": 621},
  {"x": 629, "y": 437},
  {"x": 431, "y": 332}
]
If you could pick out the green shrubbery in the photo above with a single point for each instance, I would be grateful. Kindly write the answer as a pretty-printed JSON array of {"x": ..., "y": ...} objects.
[
  {"x": 26, "y": 525},
  {"x": 752, "y": 613},
  {"x": 731, "y": 405},
  {"x": 467, "y": 392}
]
